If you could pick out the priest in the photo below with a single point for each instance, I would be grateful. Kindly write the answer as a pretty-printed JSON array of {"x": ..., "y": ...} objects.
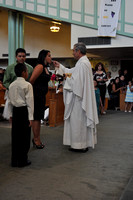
[{"x": 80, "y": 115}]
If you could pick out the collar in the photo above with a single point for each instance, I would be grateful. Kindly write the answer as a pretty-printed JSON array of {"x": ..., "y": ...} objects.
[{"x": 20, "y": 78}]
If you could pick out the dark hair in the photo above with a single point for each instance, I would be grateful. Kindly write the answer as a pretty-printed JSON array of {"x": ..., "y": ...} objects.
[
  {"x": 93, "y": 71},
  {"x": 19, "y": 68},
  {"x": 132, "y": 82},
  {"x": 112, "y": 81},
  {"x": 117, "y": 78},
  {"x": 109, "y": 73},
  {"x": 97, "y": 65},
  {"x": 80, "y": 46},
  {"x": 121, "y": 75},
  {"x": 41, "y": 56},
  {"x": 20, "y": 50}
]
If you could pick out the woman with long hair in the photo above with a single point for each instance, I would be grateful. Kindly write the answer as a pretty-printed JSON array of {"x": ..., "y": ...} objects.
[
  {"x": 39, "y": 79},
  {"x": 101, "y": 78},
  {"x": 116, "y": 92}
]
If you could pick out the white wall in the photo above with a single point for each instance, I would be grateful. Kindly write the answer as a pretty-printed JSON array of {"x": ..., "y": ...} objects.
[
  {"x": 37, "y": 36},
  {"x": 79, "y": 31},
  {"x": 3, "y": 33}
]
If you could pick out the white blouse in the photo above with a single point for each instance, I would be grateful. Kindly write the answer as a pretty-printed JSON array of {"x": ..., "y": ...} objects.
[{"x": 21, "y": 94}]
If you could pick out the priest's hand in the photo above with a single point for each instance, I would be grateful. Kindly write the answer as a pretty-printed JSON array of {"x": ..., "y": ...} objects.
[{"x": 56, "y": 64}]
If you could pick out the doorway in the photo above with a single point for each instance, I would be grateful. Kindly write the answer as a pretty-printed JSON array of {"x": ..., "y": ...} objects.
[{"x": 127, "y": 64}]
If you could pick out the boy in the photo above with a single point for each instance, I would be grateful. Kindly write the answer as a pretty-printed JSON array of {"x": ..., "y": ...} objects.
[
  {"x": 21, "y": 108},
  {"x": 9, "y": 75}
]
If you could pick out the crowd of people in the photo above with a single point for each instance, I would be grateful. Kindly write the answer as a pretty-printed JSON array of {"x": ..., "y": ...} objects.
[
  {"x": 84, "y": 95},
  {"x": 25, "y": 102},
  {"x": 110, "y": 87}
]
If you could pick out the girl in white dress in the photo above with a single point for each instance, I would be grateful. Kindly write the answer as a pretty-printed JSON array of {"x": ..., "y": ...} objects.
[{"x": 129, "y": 96}]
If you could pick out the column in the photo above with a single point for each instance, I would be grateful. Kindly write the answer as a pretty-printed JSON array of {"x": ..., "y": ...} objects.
[{"x": 15, "y": 34}]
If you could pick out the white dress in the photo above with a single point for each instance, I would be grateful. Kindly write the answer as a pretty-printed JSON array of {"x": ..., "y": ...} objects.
[
  {"x": 80, "y": 106},
  {"x": 129, "y": 95}
]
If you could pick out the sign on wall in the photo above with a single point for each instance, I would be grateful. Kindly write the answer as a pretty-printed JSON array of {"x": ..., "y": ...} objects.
[{"x": 109, "y": 14}]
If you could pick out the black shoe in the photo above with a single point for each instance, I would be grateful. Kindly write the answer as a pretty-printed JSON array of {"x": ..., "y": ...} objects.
[
  {"x": 79, "y": 150},
  {"x": 85, "y": 150},
  {"x": 41, "y": 146},
  {"x": 28, "y": 162}
]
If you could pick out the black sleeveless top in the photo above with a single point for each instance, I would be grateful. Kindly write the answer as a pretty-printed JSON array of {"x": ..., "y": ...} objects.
[
  {"x": 42, "y": 81},
  {"x": 40, "y": 89}
]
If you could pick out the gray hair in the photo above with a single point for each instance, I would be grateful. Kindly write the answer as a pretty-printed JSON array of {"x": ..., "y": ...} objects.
[{"x": 80, "y": 46}]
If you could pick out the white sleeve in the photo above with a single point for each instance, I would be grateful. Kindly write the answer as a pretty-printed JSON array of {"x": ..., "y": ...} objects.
[
  {"x": 68, "y": 84},
  {"x": 10, "y": 107},
  {"x": 30, "y": 102},
  {"x": 62, "y": 70}
]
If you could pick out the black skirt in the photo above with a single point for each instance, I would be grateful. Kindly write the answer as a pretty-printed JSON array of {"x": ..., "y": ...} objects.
[{"x": 39, "y": 103}]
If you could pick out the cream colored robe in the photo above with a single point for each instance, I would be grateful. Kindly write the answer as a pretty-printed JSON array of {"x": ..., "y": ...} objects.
[{"x": 80, "y": 106}]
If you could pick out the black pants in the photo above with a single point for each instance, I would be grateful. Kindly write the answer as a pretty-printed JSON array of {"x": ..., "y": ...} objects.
[
  {"x": 102, "y": 89},
  {"x": 21, "y": 133},
  {"x": 114, "y": 101}
]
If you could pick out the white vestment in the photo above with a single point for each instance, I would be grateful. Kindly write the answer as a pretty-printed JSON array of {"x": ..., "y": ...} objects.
[{"x": 80, "y": 106}]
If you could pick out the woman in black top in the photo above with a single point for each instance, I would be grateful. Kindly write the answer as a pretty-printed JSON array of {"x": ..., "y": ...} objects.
[
  {"x": 116, "y": 92},
  {"x": 101, "y": 78},
  {"x": 111, "y": 104},
  {"x": 39, "y": 79}
]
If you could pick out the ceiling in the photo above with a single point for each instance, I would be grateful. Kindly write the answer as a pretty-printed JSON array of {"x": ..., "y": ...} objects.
[
  {"x": 111, "y": 53},
  {"x": 96, "y": 53}
]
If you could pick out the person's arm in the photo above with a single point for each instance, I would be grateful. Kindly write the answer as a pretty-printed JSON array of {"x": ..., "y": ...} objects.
[
  {"x": 36, "y": 73},
  {"x": 30, "y": 121},
  {"x": 10, "y": 108},
  {"x": 7, "y": 79},
  {"x": 99, "y": 79},
  {"x": 105, "y": 77},
  {"x": 131, "y": 88},
  {"x": 2, "y": 86},
  {"x": 60, "y": 69},
  {"x": 96, "y": 77},
  {"x": 29, "y": 101},
  {"x": 114, "y": 89}
]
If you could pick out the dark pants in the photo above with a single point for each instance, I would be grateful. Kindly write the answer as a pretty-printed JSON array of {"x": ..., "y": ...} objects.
[
  {"x": 21, "y": 133},
  {"x": 113, "y": 102},
  {"x": 102, "y": 89}
]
